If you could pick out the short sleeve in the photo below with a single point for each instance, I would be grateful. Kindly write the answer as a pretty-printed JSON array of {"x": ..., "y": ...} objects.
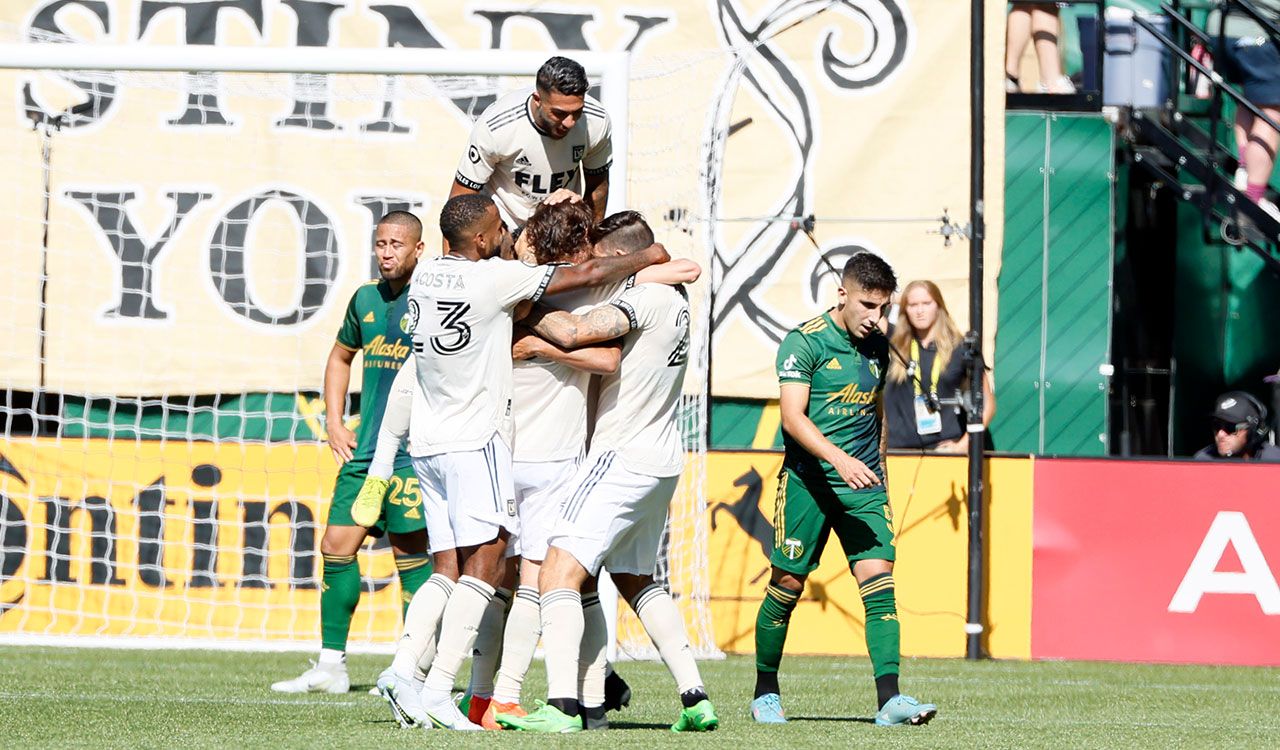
[
  {"x": 795, "y": 359},
  {"x": 599, "y": 156},
  {"x": 349, "y": 334},
  {"x": 514, "y": 281},
  {"x": 477, "y": 164},
  {"x": 641, "y": 305}
]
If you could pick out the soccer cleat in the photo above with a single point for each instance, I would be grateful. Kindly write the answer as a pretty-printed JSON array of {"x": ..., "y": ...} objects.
[
  {"x": 489, "y": 720},
  {"x": 405, "y": 702},
  {"x": 321, "y": 678},
  {"x": 901, "y": 710},
  {"x": 476, "y": 708},
  {"x": 594, "y": 718},
  {"x": 367, "y": 508},
  {"x": 384, "y": 673},
  {"x": 767, "y": 709},
  {"x": 442, "y": 712},
  {"x": 547, "y": 719},
  {"x": 700, "y": 717},
  {"x": 617, "y": 693}
]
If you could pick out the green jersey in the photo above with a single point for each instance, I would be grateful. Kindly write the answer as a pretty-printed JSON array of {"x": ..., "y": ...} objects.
[
  {"x": 845, "y": 378},
  {"x": 377, "y": 324}
]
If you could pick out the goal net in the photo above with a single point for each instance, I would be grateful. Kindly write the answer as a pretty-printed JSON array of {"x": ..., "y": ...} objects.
[{"x": 183, "y": 232}]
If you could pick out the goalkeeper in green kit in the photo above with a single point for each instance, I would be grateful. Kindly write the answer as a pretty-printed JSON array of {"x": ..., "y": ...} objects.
[
  {"x": 379, "y": 325},
  {"x": 831, "y": 374}
]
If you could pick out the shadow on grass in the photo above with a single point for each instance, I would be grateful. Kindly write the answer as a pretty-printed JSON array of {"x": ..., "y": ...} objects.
[
  {"x": 842, "y": 719},
  {"x": 362, "y": 688},
  {"x": 636, "y": 725}
]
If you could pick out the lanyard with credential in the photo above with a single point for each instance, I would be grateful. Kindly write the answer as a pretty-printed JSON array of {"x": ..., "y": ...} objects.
[{"x": 916, "y": 365}]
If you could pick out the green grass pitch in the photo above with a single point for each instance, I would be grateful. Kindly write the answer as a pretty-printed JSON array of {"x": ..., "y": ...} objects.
[{"x": 136, "y": 699}]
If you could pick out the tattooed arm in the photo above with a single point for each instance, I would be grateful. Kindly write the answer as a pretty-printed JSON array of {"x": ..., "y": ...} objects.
[{"x": 569, "y": 331}]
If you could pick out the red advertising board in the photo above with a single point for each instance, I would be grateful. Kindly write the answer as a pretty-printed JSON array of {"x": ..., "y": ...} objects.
[{"x": 1156, "y": 561}]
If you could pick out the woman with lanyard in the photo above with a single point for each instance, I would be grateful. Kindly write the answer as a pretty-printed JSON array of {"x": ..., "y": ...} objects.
[{"x": 932, "y": 370}]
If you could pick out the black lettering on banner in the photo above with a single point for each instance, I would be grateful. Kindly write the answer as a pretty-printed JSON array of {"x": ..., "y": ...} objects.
[
  {"x": 99, "y": 90},
  {"x": 204, "y": 541},
  {"x": 229, "y": 269},
  {"x": 151, "y": 503},
  {"x": 13, "y": 543},
  {"x": 200, "y": 22},
  {"x": 452, "y": 321},
  {"x": 102, "y": 548},
  {"x": 404, "y": 29},
  {"x": 379, "y": 206},
  {"x": 257, "y": 535},
  {"x": 137, "y": 260},
  {"x": 310, "y": 91}
]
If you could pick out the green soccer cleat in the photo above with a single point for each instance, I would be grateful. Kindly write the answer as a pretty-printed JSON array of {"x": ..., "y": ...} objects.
[
  {"x": 547, "y": 719},
  {"x": 700, "y": 717},
  {"x": 901, "y": 710},
  {"x": 367, "y": 508}
]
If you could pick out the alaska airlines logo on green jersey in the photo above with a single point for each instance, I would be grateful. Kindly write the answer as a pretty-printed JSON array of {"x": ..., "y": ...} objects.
[
  {"x": 850, "y": 395},
  {"x": 380, "y": 347}
]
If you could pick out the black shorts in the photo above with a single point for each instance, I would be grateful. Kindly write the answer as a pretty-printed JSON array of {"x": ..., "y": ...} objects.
[{"x": 1254, "y": 64}]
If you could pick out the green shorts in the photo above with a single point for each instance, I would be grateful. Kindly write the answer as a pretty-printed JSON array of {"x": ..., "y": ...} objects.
[
  {"x": 401, "y": 508},
  {"x": 806, "y": 514}
]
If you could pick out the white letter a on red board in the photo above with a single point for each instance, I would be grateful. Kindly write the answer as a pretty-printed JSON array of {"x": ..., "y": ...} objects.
[{"x": 1228, "y": 527}]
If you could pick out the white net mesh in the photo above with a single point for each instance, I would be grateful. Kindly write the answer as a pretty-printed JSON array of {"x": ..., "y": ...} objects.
[{"x": 179, "y": 252}]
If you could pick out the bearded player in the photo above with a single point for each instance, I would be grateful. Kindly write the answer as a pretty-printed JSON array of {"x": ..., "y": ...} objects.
[
  {"x": 529, "y": 144},
  {"x": 375, "y": 324},
  {"x": 831, "y": 370}
]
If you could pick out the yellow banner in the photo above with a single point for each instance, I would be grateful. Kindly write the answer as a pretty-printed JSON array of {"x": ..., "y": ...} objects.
[
  {"x": 930, "y": 512},
  {"x": 194, "y": 541},
  {"x": 205, "y": 232}
]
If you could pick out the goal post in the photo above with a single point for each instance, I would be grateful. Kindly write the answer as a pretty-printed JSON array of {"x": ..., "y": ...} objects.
[{"x": 182, "y": 256}]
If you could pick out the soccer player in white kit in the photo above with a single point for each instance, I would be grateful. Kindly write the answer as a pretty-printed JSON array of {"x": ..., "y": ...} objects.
[
  {"x": 528, "y": 144},
  {"x": 615, "y": 515},
  {"x": 461, "y": 305}
]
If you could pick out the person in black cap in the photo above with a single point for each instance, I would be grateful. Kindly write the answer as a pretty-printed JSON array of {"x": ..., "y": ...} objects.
[{"x": 1239, "y": 430}]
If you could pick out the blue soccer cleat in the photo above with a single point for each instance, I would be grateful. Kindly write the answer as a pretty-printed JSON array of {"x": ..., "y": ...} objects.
[
  {"x": 767, "y": 709},
  {"x": 901, "y": 710}
]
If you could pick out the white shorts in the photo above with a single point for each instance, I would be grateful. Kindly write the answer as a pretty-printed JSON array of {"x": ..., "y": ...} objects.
[
  {"x": 467, "y": 496},
  {"x": 541, "y": 488},
  {"x": 613, "y": 517}
]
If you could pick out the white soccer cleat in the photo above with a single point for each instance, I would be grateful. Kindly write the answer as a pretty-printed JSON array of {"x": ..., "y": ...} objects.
[
  {"x": 445, "y": 714},
  {"x": 386, "y": 673},
  {"x": 321, "y": 678},
  {"x": 402, "y": 696}
]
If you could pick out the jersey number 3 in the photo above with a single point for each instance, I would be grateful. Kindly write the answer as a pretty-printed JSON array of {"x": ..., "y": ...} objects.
[{"x": 451, "y": 320}]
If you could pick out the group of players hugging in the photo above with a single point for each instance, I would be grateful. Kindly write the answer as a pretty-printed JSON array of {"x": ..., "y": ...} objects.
[{"x": 518, "y": 434}]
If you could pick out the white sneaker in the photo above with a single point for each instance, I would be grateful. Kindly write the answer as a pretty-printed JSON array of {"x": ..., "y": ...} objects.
[
  {"x": 403, "y": 698},
  {"x": 444, "y": 713},
  {"x": 1061, "y": 86},
  {"x": 384, "y": 673},
  {"x": 321, "y": 678}
]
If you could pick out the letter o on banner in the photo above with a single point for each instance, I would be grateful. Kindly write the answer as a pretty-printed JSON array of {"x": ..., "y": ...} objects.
[{"x": 320, "y": 258}]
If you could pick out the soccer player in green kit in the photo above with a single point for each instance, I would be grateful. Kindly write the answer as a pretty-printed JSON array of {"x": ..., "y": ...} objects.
[
  {"x": 378, "y": 325},
  {"x": 831, "y": 374}
]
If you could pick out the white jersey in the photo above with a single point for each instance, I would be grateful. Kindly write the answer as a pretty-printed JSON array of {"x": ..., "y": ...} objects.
[
  {"x": 460, "y": 311},
  {"x": 638, "y": 404},
  {"x": 550, "y": 403},
  {"x": 521, "y": 165}
]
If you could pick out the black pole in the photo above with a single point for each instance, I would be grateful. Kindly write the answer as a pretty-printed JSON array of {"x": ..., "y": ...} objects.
[{"x": 977, "y": 230}]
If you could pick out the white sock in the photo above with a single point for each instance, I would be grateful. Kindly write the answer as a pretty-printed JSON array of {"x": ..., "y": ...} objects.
[
  {"x": 519, "y": 641},
  {"x": 458, "y": 630},
  {"x": 488, "y": 647},
  {"x": 428, "y": 656},
  {"x": 333, "y": 657},
  {"x": 592, "y": 664},
  {"x": 665, "y": 627},
  {"x": 562, "y": 627},
  {"x": 420, "y": 621}
]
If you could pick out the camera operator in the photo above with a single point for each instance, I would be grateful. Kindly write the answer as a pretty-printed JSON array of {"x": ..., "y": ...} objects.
[{"x": 1240, "y": 430}]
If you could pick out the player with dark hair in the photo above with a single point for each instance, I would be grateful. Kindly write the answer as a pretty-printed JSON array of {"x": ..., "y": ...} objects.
[
  {"x": 377, "y": 323},
  {"x": 463, "y": 304},
  {"x": 529, "y": 144},
  {"x": 831, "y": 371},
  {"x": 615, "y": 513}
]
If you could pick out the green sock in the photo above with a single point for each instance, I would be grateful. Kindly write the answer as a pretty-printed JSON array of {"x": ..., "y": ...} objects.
[
  {"x": 771, "y": 635},
  {"x": 883, "y": 629},
  {"x": 339, "y": 594},
  {"x": 414, "y": 570}
]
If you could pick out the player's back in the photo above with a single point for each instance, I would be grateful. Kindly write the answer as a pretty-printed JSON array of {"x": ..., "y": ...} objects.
[
  {"x": 638, "y": 405},
  {"x": 462, "y": 343},
  {"x": 549, "y": 398}
]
